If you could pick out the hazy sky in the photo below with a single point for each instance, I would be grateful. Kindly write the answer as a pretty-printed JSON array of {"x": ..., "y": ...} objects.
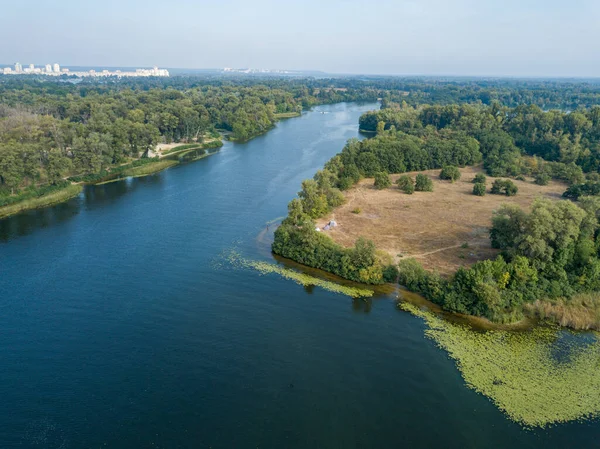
[{"x": 445, "y": 37}]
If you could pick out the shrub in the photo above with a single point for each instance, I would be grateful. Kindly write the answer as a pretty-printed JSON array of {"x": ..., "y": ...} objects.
[
  {"x": 382, "y": 180},
  {"x": 450, "y": 172},
  {"x": 542, "y": 179},
  {"x": 479, "y": 189},
  {"x": 479, "y": 178},
  {"x": 423, "y": 183},
  {"x": 356, "y": 210},
  {"x": 406, "y": 184},
  {"x": 504, "y": 187}
]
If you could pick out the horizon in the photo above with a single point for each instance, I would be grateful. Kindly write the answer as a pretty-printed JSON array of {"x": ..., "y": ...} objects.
[
  {"x": 273, "y": 71},
  {"x": 534, "y": 39}
]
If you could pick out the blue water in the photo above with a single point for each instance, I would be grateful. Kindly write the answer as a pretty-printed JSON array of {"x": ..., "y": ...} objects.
[{"x": 123, "y": 326}]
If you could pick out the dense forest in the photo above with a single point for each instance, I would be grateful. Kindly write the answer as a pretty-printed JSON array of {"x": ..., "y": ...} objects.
[
  {"x": 54, "y": 131},
  {"x": 51, "y": 130},
  {"x": 551, "y": 253}
]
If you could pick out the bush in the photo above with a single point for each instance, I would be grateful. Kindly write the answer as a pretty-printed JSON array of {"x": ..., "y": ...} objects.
[
  {"x": 382, "y": 180},
  {"x": 406, "y": 184},
  {"x": 356, "y": 210},
  {"x": 479, "y": 179},
  {"x": 479, "y": 189},
  {"x": 450, "y": 172},
  {"x": 542, "y": 179},
  {"x": 504, "y": 187},
  {"x": 423, "y": 183}
]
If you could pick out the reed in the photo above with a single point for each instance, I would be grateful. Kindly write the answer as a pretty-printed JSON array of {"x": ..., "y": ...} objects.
[{"x": 47, "y": 199}]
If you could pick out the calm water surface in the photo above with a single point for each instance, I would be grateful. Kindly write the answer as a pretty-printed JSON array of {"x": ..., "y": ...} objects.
[{"x": 122, "y": 325}]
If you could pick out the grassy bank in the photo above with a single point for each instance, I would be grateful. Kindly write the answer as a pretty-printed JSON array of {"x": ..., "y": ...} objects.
[
  {"x": 283, "y": 115},
  {"x": 581, "y": 312},
  {"x": 193, "y": 146},
  {"x": 53, "y": 196},
  {"x": 148, "y": 169}
]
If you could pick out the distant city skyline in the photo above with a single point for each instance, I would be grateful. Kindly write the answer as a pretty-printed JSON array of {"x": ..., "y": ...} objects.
[
  {"x": 55, "y": 70},
  {"x": 545, "y": 38}
]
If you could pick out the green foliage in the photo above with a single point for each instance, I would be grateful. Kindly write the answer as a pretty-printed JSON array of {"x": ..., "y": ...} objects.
[
  {"x": 37, "y": 198},
  {"x": 88, "y": 130},
  {"x": 479, "y": 189},
  {"x": 588, "y": 188},
  {"x": 382, "y": 180},
  {"x": 479, "y": 178},
  {"x": 504, "y": 187},
  {"x": 406, "y": 184},
  {"x": 451, "y": 173},
  {"x": 542, "y": 179},
  {"x": 423, "y": 183},
  {"x": 315, "y": 249}
]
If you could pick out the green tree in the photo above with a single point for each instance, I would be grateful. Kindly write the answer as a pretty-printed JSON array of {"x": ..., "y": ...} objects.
[
  {"x": 406, "y": 184},
  {"x": 542, "y": 179},
  {"x": 314, "y": 202},
  {"x": 479, "y": 178},
  {"x": 382, "y": 180},
  {"x": 504, "y": 187},
  {"x": 451, "y": 173},
  {"x": 479, "y": 189},
  {"x": 423, "y": 183}
]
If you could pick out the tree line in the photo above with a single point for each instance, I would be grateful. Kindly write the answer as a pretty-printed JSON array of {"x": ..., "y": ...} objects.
[{"x": 50, "y": 129}]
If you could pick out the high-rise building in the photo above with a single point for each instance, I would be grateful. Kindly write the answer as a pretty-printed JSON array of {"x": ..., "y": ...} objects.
[
  {"x": 31, "y": 67},
  {"x": 48, "y": 68},
  {"x": 56, "y": 68},
  {"x": 18, "y": 67}
]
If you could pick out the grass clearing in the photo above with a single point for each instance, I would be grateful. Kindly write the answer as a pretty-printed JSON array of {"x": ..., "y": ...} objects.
[
  {"x": 55, "y": 197},
  {"x": 531, "y": 376},
  {"x": 429, "y": 226}
]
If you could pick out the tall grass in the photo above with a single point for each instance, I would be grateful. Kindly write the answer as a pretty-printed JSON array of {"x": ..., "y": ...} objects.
[
  {"x": 148, "y": 169},
  {"x": 47, "y": 198},
  {"x": 581, "y": 312},
  {"x": 92, "y": 178}
]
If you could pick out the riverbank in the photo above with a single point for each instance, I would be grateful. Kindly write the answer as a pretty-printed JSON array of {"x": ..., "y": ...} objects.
[
  {"x": 137, "y": 168},
  {"x": 44, "y": 200}
]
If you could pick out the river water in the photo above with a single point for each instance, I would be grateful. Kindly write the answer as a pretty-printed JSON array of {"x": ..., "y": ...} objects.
[{"x": 123, "y": 325}]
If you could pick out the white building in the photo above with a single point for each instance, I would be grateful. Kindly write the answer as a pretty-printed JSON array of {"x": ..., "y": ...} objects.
[{"x": 55, "y": 70}]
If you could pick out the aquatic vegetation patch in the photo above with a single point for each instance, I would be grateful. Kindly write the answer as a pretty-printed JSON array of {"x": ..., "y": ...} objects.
[
  {"x": 519, "y": 371},
  {"x": 300, "y": 278}
]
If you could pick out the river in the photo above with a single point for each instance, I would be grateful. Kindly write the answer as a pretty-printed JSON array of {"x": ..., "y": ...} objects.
[{"x": 123, "y": 325}]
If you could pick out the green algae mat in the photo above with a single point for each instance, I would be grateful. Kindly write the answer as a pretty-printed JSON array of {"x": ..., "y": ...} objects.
[
  {"x": 521, "y": 372},
  {"x": 265, "y": 268}
]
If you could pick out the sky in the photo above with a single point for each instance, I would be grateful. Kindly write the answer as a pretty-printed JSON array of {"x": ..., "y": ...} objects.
[{"x": 399, "y": 37}]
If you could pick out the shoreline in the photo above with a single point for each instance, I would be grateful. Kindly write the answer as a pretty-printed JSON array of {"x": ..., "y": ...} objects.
[
  {"x": 51, "y": 199},
  {"x": 164, "y": 160}
]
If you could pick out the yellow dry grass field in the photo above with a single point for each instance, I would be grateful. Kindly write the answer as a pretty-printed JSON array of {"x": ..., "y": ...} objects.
[{"x": 444, "y": 229}]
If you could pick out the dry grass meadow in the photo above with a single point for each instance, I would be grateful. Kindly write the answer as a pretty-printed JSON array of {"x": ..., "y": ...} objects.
[{"x": 443, "y": 229}]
